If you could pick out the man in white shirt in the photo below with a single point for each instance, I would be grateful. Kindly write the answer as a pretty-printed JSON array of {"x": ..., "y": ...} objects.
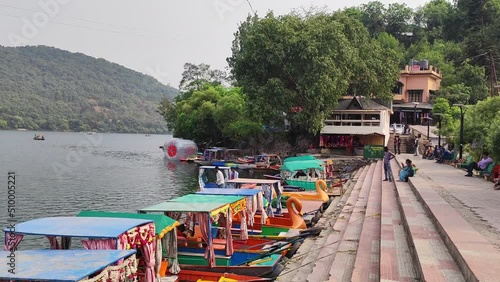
[{"x": 220, "y": 177}]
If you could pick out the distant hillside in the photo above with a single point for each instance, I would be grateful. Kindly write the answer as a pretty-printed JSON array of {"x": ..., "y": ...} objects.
[{"x": 45, "y": 88}]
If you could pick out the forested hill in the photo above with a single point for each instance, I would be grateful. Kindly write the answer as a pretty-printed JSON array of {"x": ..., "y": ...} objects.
[{"x": 45, "y": 88}]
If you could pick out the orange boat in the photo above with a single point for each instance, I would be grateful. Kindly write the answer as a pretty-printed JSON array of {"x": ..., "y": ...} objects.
[
  {"x": 194, "y": 275},
  {"x": 320, "y": 194},
  {"x": 292, "y": 219}
]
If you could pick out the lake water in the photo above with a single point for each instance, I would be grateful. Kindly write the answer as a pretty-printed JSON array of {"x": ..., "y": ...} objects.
[{"x": 70, "y": 172}]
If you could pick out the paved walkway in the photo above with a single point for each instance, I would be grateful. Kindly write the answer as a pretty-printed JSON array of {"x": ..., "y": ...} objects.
[
  {"x": 473, "y": 197},
  {"x": 423, "y": 130}
]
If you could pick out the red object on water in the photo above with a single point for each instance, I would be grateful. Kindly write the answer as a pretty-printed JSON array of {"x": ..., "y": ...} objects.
[{"x": 172, "y": 151}]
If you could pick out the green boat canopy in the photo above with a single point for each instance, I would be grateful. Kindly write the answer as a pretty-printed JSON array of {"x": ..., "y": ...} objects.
[
  {"x": 302, "y": 165},
  {"x": 300, "y": 158},
  {"x": 163, "y": 223},
  {"x": 198, "y": 198}
]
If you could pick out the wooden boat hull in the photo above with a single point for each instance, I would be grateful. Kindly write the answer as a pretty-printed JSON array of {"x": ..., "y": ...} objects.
[
  {"x": 194, "y": 275},
  {"x": 267, "y": 268},
  {"x": 251, "y": 245}
]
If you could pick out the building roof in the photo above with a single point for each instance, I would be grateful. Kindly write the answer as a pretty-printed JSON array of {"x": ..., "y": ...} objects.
[{"x": 360, "y": 103}]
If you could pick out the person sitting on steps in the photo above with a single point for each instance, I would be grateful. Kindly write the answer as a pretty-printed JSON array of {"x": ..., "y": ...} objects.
[
  {"x": 407, "y": 171},
  {"x": 481, "y": 165}
]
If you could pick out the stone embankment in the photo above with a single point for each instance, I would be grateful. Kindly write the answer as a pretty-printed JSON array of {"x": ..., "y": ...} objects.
[{"x": 392, "y": 231}]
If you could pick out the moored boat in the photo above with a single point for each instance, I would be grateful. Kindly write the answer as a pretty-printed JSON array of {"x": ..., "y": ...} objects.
[
  {"x": 202, "y": 212},
  {"x": 320, "y": 194},
  {"x": 165, "y": 229},
  {"x": 68, "y": 265},
  {"x": 196, "y": 275},
  {"x": 97, "y": 234}
]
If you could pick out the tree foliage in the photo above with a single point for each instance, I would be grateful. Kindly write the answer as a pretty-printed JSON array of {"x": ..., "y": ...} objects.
[
  {"x": 44, "y": 88},
  {"x": 295, "y": 67},
  {"x": 480, "y": 124},
  {"x": 212, "y": 114}
]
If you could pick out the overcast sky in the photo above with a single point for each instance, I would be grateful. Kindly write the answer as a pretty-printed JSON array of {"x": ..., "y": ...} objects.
[{"x": 150, "y": 36}]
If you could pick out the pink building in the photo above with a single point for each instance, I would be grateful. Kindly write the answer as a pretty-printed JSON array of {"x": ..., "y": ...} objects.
[{"x": 411, "y": 95}]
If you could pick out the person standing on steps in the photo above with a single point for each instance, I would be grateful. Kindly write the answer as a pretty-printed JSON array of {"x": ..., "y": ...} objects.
[
  {"x": 388, "y": 156},
  {"x": 396, "y": 141},
  {"x": 399, "y": 145},
  {"x": 416, "y": 144}
]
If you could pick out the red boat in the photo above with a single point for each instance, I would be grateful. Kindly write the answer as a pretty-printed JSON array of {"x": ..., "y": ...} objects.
[{"x": 194, "y": 275}]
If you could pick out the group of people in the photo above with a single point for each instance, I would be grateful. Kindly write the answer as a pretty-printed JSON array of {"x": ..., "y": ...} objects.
[
  {"x": 438, "y": 153},
  {"x": 407, "y": 171},
  {"x": 220, "y": 180}
]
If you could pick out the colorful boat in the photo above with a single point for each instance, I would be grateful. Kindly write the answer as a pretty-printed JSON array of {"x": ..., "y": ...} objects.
[
  {"x": 202, "y": 212},
  {"x": 303, "y": 171},
  {"x": 67, "y": 265},
  {"x": 96, "y": 233},
  {"x": 266, "y": 162},
  {"x": 165, "y": 229},
  {"x": 262, "y": 224},
  {"x": 271, "y": 189},
  {"x": 207, "y": 177},
  {"x": 320, "y": 194},
  {"x": 202, "y": 276},
  {"x": 219, "y": 156}
]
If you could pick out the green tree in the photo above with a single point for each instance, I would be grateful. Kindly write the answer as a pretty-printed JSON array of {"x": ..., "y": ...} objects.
[
  {"x": 214, "y": 114},
  {"x": 437, "y": 20},
  {"x": 478, "y": 123},
  {"x": 196, "y": 76},
  {"x": 449, "y": 122},
  {"x": 493, "y": 138},
  {"x": 374, "y": 17},
  {"x": 397, "y": 18},
  {"x": 4, "y": 124},
  {"x": 296, "y": 67}
]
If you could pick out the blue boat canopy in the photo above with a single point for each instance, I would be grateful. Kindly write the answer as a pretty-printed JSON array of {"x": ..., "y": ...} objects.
[
  {"x": 230, "y": 192},
  {"x": 88, "y": 227},
  {"x": 58, "y": 265}
]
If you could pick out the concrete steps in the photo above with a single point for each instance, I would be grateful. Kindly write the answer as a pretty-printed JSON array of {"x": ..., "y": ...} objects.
[
  {"x": 393, "y": 231},
  {"x": 326, "y": 257},
  {"x": 432, "y": 259},
  {"x": 302, "y": 263},
  {"x": 343, "y": 264},
  {"x": 396, "y": 262},
  {"x": 367, "y": 264}
]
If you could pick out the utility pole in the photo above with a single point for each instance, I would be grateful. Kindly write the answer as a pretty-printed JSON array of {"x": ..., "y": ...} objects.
[{"x": 493, "y": 76}]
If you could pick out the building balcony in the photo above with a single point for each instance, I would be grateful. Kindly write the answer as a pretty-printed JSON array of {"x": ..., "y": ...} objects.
[
  {"x": 371, "y": 123},
  {"x": 416, "y": 70},
  {"x": 398, "y": 98}
]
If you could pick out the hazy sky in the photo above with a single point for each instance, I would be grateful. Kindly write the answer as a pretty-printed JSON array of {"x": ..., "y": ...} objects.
[{"x": 151, "y": 36}]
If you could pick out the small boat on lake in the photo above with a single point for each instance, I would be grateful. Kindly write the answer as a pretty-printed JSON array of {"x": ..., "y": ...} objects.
[{"x": 39, "y": 137}]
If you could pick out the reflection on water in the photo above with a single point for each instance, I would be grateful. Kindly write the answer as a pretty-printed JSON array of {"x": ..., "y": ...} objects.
[{"x": 70, "y": 172}]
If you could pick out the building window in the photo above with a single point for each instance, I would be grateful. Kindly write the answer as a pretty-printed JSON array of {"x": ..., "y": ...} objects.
[
  {"x": 415, "y": 95},
  {"x": 398, "y": 89},
  {"x": 372, "y": 117}
]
